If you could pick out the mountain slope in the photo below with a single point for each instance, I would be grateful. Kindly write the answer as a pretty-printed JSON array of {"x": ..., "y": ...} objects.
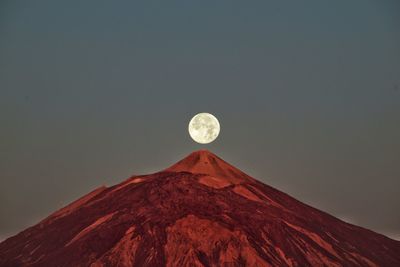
[{"x": 199, "y": 212}]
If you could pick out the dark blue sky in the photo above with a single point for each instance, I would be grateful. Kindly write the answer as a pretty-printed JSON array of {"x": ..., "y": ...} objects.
[{"x": 307, "y": 94}]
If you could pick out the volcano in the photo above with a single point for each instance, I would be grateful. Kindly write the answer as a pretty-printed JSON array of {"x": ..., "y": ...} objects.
[{"x": 201, "y": 211}]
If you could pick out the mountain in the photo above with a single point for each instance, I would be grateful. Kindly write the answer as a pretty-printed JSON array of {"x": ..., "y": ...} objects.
[{"x": 201, "y": 211}]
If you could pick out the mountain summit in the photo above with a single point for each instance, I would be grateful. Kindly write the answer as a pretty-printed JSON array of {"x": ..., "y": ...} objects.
[
  {"x": 201, "y": 211},
  {"x": 207, "y": 163}
]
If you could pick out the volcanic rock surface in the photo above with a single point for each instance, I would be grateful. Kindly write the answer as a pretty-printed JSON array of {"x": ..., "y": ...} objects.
[{"x": 199, "y": 212}]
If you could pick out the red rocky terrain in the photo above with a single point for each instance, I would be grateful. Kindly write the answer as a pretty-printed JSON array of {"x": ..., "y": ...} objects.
[{"x": 199, "y": 212}]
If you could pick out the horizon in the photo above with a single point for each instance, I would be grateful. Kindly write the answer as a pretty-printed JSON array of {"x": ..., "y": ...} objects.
[{"x": 201, "y": 151}]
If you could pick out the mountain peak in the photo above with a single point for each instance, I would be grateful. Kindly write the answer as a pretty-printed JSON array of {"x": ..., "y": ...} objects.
[
  {"x": 206, "y": 162},
  {"x": 201, "y": 211},
  {"x": 202, "y": 153}
]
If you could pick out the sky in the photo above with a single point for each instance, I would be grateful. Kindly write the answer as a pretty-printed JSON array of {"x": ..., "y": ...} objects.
[{"x": 307, "y": 94}]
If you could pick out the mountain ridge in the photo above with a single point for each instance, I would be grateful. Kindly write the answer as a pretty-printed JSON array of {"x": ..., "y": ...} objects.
[{"x": 201, "y": 211}]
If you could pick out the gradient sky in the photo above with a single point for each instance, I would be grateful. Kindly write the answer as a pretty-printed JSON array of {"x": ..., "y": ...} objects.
[{"x": 307, "y": 94}]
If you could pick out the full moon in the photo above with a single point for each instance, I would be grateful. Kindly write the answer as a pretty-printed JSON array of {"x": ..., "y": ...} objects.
[{"x": 204, "y": 128}]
